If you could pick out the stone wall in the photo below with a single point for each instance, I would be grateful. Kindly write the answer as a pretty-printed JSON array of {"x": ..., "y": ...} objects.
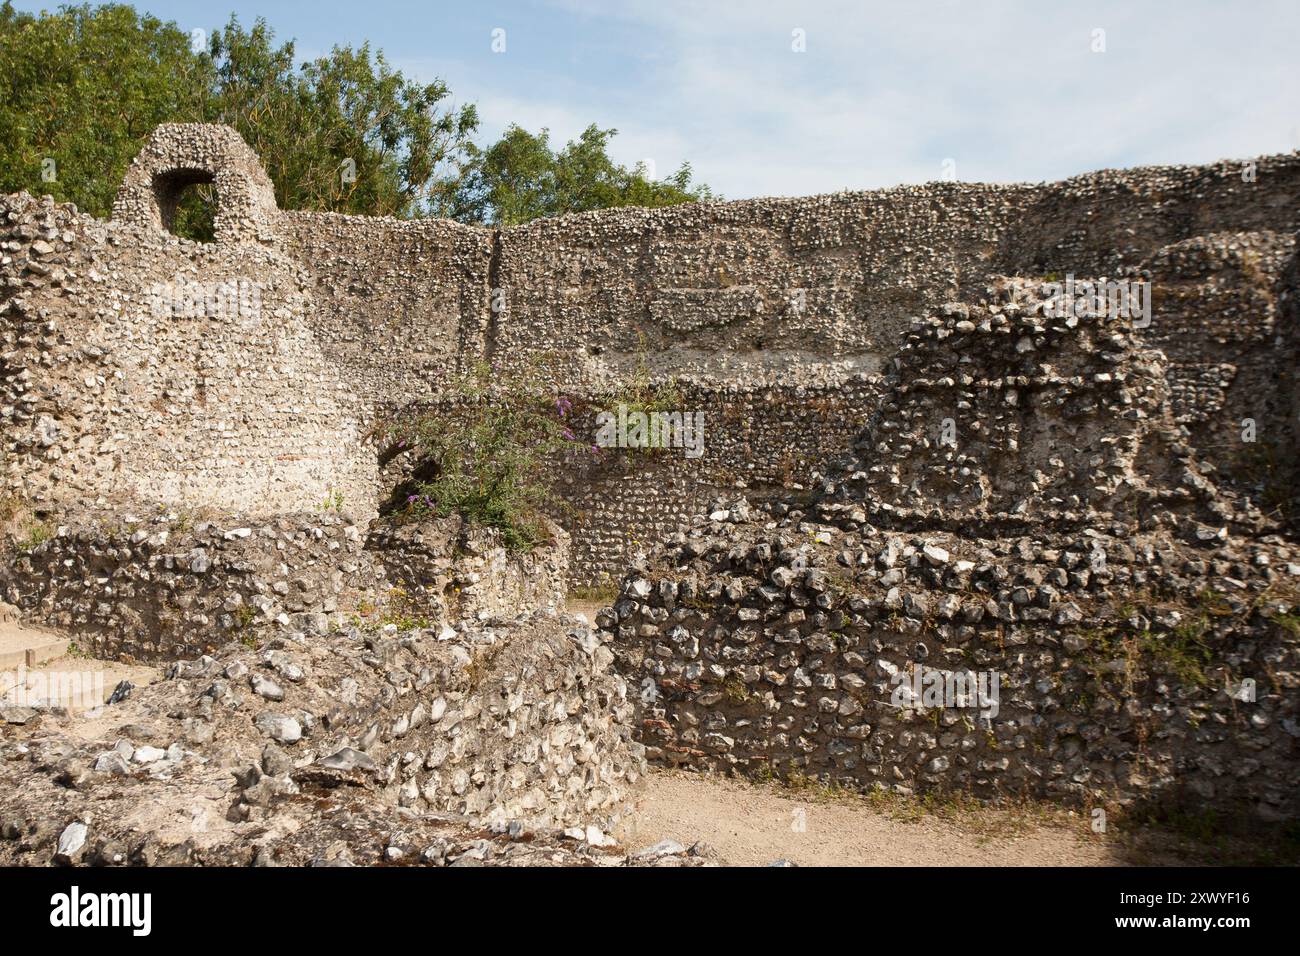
[
  {"x": 398, "y": 305},
  {"x": 174, "y": 584},
  {"x": 1138, "y": 626},
  {"x": 749, "y": 307},
  {"x": 460, "y": 570},
  {"x": 367, "y": 745},
  {"x": 308, "y": 668},
  {"x": 179, "y": 155},
  {"x": 142, "y": 368},
  {"x": 808, "y": 653},
  {"x": 1081, "y": 539}
]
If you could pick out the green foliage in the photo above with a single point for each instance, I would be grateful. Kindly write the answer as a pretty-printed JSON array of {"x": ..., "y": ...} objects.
[
  {"x": 241, "y": 622},
  {"x": 304, "y": 122},
  {"x": 487, "y": 452},
  {"x": 605, "y": 592},
  {"x": 1288, "y": 622},
  {"x": 735, "y": 690},
  {"x": 520, "y": 178},
  {"x": 1182, "y": 651},
  {"x": 86, "y": 85},
  {"x": 640, "y": 393},
  {"x": 37, "y": 533},
  {"x": 404, "y": 610}
]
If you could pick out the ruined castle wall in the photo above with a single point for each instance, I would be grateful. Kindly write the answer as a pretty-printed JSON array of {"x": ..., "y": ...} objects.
[
  {"x": 150, "y": 369},
  {"x": 139, "y": 367},
  {"x": 749, "y": 307},
  {"x": 769, "y": 284},
  {"x": 756, "y": 439},
  {"x": 465, "y": 571},
  {"x": 795, "y": 674},
  {"x": 746, "y": 305},
  {"x": 1216, "y": 243},
  {"x": 1101, "y": 222},
  {"x": 763, "y": 298},
  {"x": 259, "y": 752},
  {"x": 398, "y": 305},
  {"x": 177, "y": 585},
  {"x": 1220, "y": 317},
  {"x": 1064, "y": 545},
  {"x": 723, "y": 277}
]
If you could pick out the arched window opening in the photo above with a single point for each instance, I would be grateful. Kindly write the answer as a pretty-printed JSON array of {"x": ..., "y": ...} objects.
[{"x": 187, "y": 203}]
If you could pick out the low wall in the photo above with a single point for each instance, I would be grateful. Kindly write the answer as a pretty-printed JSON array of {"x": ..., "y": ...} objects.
[
  {"x": 805, "y": 652},
  {"x": 173, "y": 585},
  {"x": 462, "y": 570},
  {"x": 384, "y": 738}
]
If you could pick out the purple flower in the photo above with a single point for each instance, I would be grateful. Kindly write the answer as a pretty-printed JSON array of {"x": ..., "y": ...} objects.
[
  {"x": 563, "y": 405},
  {"x": 411, "y": 500},
  {"x": 568, "y": 434}
]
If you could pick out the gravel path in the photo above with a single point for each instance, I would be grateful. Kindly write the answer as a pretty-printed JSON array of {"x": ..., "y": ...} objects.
[{"x": 756, "y": 825}]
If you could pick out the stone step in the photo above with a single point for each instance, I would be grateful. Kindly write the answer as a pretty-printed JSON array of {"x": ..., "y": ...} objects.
[{"x": 20, "y": 646}]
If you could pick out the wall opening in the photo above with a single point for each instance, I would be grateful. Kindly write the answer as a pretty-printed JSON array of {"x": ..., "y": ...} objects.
[{"x": 187, "y": 203}]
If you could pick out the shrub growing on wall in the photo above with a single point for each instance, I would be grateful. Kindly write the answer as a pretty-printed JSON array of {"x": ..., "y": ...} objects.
[{"x": 487, "y": 452}]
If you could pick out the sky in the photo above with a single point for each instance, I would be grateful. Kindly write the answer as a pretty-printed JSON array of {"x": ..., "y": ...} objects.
[{"x": 768, "y": 98}]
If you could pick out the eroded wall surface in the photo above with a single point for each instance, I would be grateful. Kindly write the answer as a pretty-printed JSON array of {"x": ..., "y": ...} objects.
[
  {"x": 142, "y": 369},
  {"x": 1132, "y": 625},
  {"x": 147, "y": 381},
  {"x": 761, "y": 308},
  {"x": 775, "y": 318}
]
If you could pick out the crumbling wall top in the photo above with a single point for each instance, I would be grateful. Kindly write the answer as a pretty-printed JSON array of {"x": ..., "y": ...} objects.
[{"x": 178, "y": 155}]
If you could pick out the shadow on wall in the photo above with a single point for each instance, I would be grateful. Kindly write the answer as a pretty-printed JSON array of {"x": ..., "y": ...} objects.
[{"x": 1289, "y": 383}]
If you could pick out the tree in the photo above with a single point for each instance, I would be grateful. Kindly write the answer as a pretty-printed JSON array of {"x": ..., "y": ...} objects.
[
  {"x": 520, "y": 178},
  {"x": 81, "y": 89},
  {"x": 402, "y": 146},
  {"x": 85, "y": 86}
]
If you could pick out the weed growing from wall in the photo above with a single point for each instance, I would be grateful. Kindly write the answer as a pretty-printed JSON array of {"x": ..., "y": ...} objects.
[
  {"x": 640, "y": 393},
  {"x": 20, "y": 527},
  {"x": 487, "y": 451}
]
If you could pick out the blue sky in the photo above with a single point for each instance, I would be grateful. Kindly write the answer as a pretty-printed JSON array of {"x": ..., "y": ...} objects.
[{"x": 883, "y": 94}]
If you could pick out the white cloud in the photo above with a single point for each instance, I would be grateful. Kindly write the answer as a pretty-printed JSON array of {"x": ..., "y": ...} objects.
[{"x": 885, "y": 92}]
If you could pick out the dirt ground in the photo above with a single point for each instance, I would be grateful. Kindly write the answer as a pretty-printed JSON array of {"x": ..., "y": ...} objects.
[
  {"x": 753, "y": 825},
  {"x": 757, "y": 824},
  {"x": 587, "y": 608},
  {"x": 72, "y": 681}
]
